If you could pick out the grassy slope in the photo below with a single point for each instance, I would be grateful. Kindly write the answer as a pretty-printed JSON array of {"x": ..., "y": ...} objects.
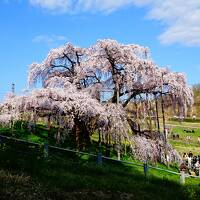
[{"x": 69, "y": 176}]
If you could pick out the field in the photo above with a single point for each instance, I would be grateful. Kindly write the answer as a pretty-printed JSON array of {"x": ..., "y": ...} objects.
[{"x": 184, "y": 129}]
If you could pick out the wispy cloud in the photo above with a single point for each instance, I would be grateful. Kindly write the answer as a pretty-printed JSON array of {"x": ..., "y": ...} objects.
[
  {"x": 49, "y": 40},
  {"x": 60, "y": 6},
  {"x": 180, "y": 19},
  {"x": 74, "y": 6}
]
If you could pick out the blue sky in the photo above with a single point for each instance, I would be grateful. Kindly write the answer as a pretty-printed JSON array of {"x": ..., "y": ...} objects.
[{"x": 30, "y": 28}]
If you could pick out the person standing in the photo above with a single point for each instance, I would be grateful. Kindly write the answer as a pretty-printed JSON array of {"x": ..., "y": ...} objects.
[
  {"x": 190, "y": 154},
  {"x": 189, "y": 162}
]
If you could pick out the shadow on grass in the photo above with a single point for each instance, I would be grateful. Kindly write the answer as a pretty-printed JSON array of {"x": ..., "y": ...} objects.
[{"x": 65, "y": 175}]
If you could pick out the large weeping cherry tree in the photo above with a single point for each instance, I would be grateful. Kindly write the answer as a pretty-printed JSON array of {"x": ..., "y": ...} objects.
[
  {"x": 74, "y": 79},
  {"x": 70, "y": 109}
]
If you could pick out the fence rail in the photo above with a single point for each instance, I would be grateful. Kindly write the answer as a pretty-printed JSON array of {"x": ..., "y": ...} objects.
[{"x": 145, "y": 166}]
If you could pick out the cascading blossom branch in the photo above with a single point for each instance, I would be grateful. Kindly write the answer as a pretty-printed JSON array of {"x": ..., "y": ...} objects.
[
  {"x": 177, "y": 87},
  {"x": 109, "y": 65},
  {"x": 69, "y": 105},
  {"x": 153, "y": 150}
]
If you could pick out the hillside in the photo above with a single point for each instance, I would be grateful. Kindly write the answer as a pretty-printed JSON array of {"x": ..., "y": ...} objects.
[{"x": 26, "y": 174}]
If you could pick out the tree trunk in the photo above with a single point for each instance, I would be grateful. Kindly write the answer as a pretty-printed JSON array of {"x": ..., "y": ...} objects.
[
  {"x": 49, "y": 127},
  {"x": 137, "y": 115},
  {"x": 157, "y": 115},
  {"x": 78, "y": 137},
  {"x": 107, "y": 146},
  {"x": 163, "y": 115},
  {"x": 58, "y": 137},
  {"x": 82, "y": 135}
]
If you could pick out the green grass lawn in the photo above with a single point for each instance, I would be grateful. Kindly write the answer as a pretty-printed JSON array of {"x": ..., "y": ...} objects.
[
  {"x": 25, "y": 174},
  {"x": 182, "y": 144}
]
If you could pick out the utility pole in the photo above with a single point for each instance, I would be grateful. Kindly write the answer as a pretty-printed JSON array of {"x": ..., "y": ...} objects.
[
  {"x": 157, "y": 115},
  {"x": 13, "y": 88},
  {"x": 11, "y": 122}
]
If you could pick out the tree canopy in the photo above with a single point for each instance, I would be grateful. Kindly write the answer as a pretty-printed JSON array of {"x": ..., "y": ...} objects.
[
  {"x": 74, "y": 80},
  {"x": 110, "y": 66}
]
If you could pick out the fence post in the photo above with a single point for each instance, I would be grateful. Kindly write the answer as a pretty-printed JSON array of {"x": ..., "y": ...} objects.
[
  {"x": 99, "y": 156},
  {"x": 182, "y": 178},
  {"x": 145, "y": 166},
  {"x": 118, "y": 155},
  {"x": 118, "y": 152},
  {"x": 46, "y": 150}
]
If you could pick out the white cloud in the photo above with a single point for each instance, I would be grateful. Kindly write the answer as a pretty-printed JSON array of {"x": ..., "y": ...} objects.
[
  {"x": 52, "y": 5},
  {"x": 181, "y": 19},
  {"x": 49, "y": 40},
  {"x": 74, "y": 6},
  {"x": 102, "y": 5}
]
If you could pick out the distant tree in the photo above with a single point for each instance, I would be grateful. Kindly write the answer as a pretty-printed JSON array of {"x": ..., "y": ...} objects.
[{"x": 196, "y": 107}]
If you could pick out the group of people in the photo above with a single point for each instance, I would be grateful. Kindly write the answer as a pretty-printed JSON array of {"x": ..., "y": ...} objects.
[{"x": 191, "y": 164}]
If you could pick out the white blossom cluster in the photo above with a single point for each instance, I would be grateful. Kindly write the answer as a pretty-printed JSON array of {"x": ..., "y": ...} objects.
[
  {"x": 67, "y": 103},
  {"x": 109, "y": 65},
  {"x": 154, "y": 150}
]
